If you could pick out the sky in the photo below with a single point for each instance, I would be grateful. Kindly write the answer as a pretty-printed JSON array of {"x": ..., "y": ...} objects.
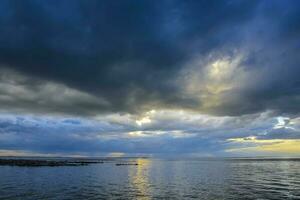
[{"x": 152, "y": 78}]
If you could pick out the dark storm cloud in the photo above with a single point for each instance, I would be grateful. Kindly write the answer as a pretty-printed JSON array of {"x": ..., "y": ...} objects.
[{"x": 128, "y": 54}]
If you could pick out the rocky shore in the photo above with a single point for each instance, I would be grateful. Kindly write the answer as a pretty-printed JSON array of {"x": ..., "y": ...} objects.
[
  {"x": 43, "y": 162},
  {"x": 120, "y": 164}
]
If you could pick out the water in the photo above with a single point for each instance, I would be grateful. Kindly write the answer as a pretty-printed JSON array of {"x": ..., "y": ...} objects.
[{"x": 155, "y": 179}]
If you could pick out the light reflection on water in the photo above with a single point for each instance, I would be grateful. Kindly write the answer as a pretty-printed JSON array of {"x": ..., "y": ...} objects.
[
  {"x": 155, "y": 179},
  {"x": 139, "y": 177}
]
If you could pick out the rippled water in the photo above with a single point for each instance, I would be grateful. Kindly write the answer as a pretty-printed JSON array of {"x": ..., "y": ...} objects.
[{"x": 155, "y": 179}]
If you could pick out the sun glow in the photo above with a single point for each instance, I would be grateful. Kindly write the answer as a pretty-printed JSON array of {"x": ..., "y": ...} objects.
[
  {"x": 288, "y": 146},
  {"x": 146, "y": 119}
]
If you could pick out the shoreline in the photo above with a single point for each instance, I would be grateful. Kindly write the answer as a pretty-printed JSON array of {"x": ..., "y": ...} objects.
[{"x": 44, "y": 162}]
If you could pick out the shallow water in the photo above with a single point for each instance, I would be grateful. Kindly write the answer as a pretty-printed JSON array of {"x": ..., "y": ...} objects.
[{"x": 155, "y": 179}]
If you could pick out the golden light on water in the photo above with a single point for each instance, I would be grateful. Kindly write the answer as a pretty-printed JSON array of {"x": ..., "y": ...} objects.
[{"x": 139, "y": 178}]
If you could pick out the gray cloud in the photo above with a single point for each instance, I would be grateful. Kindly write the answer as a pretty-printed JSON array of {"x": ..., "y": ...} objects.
[{"x": 19, "y": 93}]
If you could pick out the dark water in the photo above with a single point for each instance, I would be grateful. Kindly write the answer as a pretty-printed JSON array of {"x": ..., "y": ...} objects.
[{"x": 155, "y": 179}]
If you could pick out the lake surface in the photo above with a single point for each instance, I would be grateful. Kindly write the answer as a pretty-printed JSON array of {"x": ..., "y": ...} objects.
[{"x": 155, "y": 179}]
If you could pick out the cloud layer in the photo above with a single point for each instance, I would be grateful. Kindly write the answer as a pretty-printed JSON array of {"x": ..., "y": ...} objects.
[
  {"x": 163, "y": 77},
  {"x": 164, "y": 133}
]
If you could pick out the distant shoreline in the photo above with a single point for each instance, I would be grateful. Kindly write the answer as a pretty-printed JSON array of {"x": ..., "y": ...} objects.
[
  {"x": 62, "y": 161},
  {"x": 43, "y": 162}
]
